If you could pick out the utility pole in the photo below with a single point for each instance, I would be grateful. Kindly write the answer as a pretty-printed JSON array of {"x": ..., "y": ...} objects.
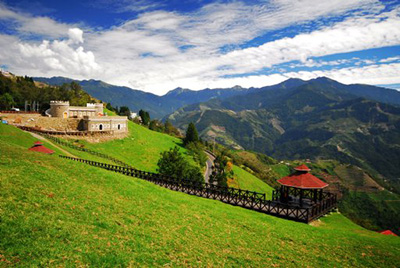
[{"x": 214, "y": 146}]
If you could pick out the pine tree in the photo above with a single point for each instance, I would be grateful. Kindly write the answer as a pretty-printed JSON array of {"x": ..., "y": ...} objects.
[
  {"x": 191, "y": 134},
  {"x": 145, "y": 116}
]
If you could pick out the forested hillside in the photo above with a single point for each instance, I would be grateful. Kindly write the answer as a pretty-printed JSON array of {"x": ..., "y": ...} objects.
[{"x": 15, "y": 91}]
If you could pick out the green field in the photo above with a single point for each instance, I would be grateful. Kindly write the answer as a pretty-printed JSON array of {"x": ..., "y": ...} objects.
[
  {"x": 245, "y": 180},
  {"x": 55, "y": 212},
  {"x": 141, "y": 148}
]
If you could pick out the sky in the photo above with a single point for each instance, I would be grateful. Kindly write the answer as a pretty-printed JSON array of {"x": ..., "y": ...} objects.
[{"x": 156, "y": 46}]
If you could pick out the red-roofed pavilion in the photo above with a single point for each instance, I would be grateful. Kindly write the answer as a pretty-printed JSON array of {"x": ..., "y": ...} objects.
[
  {"x": 388, "y": 232},
  {"x": 38, "y": 147},
  {"x": 301, "y": 187}
]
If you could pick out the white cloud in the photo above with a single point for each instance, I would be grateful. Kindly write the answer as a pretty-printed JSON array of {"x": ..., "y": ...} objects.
[
  {"x": 58, "y": 57},
  {"x": 390, "y": 59},
  {"x": 75, "y": 35},
  {"x": 27, "y": 24},
  {"x": 350, "y": 35}
]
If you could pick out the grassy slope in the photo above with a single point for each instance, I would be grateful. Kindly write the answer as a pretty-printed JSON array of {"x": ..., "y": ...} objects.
[
  {"x": 245, "y": 180},
  {"x": 141, "y": 148},
  {"x": 57, "y": 212}
]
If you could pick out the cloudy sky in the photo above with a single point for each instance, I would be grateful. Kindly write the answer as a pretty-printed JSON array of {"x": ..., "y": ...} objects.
[{"x": 159, "y": 45}]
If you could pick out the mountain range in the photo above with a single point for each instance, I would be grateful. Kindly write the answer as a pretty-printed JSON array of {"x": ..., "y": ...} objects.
[{"x": 316, "y": 119}]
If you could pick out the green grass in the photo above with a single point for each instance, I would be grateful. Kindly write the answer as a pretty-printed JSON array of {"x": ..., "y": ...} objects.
[
  {"x": 55, "y": 212},
  {"x": 281, "y": 169},
  {"x": 247, "y": 181},
  {"x": 141, "y": 148}
]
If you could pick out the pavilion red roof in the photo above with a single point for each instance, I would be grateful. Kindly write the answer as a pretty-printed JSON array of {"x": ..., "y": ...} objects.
[
  {"x": 388, "y": 232},
  {"x": 302, "y": 179},
  {"x": 38, "y": 147},
  {"x": 302, "y": 168}
]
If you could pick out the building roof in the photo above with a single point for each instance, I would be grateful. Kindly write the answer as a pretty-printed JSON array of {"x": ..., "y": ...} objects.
[
  {"x": 38, "y": 147},
  {"x": 302, "y": 168},
  {"x": 302, "y": 179},
  {"x": 388, "y": 232}
]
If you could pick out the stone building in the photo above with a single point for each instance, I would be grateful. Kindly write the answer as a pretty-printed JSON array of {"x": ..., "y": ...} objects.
[
  {"x": 92, "y": 117},
  {"x": 105, "y": 123},
  {"x": 64, "y": 110}
]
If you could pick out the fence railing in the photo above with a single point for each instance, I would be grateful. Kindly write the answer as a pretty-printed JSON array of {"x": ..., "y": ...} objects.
[
  {"x": 66, "y": 133},
  {"x": 237, "y": 197},
  {"x": 70, "y": 145}
]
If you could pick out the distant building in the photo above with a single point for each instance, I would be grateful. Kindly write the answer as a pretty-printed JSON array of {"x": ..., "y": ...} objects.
[
  {"x": 64, "y": 110},
  {"x": 93, "y": 118},
  {"x": 105, "y": 123}
]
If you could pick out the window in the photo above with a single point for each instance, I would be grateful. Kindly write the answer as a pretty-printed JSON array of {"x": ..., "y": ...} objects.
[
  {"x": 119, "y": 126},
  {"x": 101, "y": 127}
]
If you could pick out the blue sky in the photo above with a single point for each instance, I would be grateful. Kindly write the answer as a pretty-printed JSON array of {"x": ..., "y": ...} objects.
[{"x": 160, "y": 45}]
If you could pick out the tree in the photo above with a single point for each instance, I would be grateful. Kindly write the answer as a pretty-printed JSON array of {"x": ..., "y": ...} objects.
[
  {"x": 191, "y": 134},
  {"x": 196, "y": 150},
  {"x": 124, "y": 110},
  {"x": 172, "y": 163},
  {"x": 109, "y": 107},
  {"x": 156, "y": 126},
  {"x": 222, "y": 170},
  {"x": 170, "y": 129},
  {"x": 6, "y": 101},
  {"x": 145, "y": 116}
]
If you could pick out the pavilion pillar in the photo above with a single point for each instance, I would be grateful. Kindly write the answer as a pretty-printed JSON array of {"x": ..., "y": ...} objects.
[
  {"x": 320, "y": 195},
  {"x": 315, "y": 195},
  {"x": 301, "y": 197}
]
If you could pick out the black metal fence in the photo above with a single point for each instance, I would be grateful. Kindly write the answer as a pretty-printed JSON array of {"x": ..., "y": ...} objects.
[{"x": 237, "y": 197}]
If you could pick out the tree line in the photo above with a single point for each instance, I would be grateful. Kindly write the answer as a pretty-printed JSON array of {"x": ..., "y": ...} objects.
[{"x": 15, "y": 91}]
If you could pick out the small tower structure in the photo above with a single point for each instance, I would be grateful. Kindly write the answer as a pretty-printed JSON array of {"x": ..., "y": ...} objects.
[{"x": 59, "y": 109}]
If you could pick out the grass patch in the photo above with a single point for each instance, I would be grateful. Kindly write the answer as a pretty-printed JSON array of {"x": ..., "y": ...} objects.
[{"x": 245, "y": 180}]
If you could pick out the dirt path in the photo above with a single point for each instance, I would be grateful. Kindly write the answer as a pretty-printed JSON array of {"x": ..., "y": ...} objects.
[{"x": 48, "y": 141}]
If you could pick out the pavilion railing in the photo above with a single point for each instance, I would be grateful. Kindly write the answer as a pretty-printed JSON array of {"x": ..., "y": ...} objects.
[{"x": 237, "y": 197}]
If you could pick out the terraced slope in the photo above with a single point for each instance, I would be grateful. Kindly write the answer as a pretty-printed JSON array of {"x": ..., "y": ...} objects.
[{"x": 58, "y": 213}]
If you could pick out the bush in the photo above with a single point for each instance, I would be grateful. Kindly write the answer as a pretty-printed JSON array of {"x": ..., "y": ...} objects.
[
  {"x": 196, "y": 150},
  {"x": 172, "y": 163}
]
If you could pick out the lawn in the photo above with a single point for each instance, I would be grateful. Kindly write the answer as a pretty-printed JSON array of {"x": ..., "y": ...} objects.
[
  {"x": 247, "y": 181},
  {"x": 141, "y": 148},
  {"x": 55, "y": 212}
]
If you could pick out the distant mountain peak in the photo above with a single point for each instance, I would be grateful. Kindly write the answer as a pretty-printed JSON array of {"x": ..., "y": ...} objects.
[
  {"x": 177, "y": 91},
  {"x": 324, "y": 79}
]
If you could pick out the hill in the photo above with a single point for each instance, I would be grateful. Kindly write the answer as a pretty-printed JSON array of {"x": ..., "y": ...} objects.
[
  {"x": 58, "y": 213},
  {"x": 17, "y": 91},
  {"x": 317, "y": 119}
]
